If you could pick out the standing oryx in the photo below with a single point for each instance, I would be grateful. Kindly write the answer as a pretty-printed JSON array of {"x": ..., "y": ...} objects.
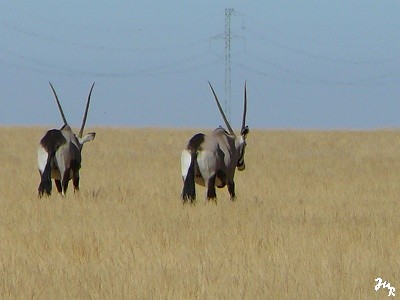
[
  {"x": 59, "y": 154},
  {"x": 211, "y": 160}
]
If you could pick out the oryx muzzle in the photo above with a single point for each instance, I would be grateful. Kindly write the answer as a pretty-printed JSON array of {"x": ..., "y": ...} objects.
[
  {"x": 59, "y": 153},
  {"x": 211, "y": 160}
]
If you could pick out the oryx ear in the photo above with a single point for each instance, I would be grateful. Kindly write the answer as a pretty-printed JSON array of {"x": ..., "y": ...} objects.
[
  {"x": 87, "y": 138},
  {"x": 245, "y": 131}
]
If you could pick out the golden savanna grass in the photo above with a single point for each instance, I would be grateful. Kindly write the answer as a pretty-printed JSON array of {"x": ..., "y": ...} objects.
[{"x": 316, "y": 217}]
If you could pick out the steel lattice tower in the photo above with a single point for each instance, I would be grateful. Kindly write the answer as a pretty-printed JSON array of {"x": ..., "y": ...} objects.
[{"x": 228, "y": 37}]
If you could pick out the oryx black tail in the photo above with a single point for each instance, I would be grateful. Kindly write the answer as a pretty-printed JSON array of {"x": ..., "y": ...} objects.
[
  {"x": 189, "y": 190},
  {"x": 45, "y": 179}
]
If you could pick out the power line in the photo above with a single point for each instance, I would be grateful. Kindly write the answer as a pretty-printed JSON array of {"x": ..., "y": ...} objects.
[
  {"x": 316, "y": 56},
  {"x": 375, "y": 80},
  {"x": 364, "y": 44},
  {"x": 94, "y": 47},
  {"x": 193, "y": 63},
  {"x": 180, "y": 66}
]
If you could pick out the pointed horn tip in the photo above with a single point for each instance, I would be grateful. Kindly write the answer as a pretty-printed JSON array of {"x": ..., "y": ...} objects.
[
  {"x": 91, "y": 88},
  {"x": 210, "y": 85},
  {"x": 212, "y": 90}
]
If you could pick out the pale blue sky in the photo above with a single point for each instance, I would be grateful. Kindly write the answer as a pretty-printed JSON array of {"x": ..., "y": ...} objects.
[{"x": 308, "y": 64}]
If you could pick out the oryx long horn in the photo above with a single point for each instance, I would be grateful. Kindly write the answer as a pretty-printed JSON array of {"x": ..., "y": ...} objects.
[
  {"x": 221, "y": 111},
  {"x": 244, "y": 107},
  {"x": 86, "y": 112},
  {"x": 59, "y": 105}
]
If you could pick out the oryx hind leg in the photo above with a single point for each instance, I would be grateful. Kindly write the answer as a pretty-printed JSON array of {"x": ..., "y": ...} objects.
[
  {"x": 211, "y": 193},
  {"x": 231, "y": 189},
  {"x": 75, "y": 166},
  {"x": 221, "y": 179},
  {"x": 75, "y": 181},
  {"x": 58, "y": 185},
  {"x": 65, "y": 180}
]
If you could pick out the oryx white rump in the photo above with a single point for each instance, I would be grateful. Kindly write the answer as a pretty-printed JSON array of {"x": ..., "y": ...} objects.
[
  {"x": 211, "y": 160},
  {"x": 59, "y": 154}
]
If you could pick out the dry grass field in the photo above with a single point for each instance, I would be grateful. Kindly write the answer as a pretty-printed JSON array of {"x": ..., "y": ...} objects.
[{"x": 317, "y": 217}]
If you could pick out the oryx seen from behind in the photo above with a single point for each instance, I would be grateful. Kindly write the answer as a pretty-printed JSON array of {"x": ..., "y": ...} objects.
[
  {"x": 211, "y": 160},
  {"x": 59, "y": 154}
]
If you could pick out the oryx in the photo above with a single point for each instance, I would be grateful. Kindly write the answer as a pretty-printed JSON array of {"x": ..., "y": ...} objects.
[
  {"x": 59, "y": 154},
  {"x": 211, "y": 160}
]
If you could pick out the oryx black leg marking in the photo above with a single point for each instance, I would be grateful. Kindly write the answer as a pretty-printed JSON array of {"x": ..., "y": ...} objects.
[
  {"x": 211, "y": 194},
  {"x": 58, "y": 185},
  {"x": 231, "y": 189}
]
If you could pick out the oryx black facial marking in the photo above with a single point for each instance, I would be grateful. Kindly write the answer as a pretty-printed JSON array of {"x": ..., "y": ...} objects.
[
  {"x": 211, "y": 160},
  {"x": 59, "y": 154}
]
